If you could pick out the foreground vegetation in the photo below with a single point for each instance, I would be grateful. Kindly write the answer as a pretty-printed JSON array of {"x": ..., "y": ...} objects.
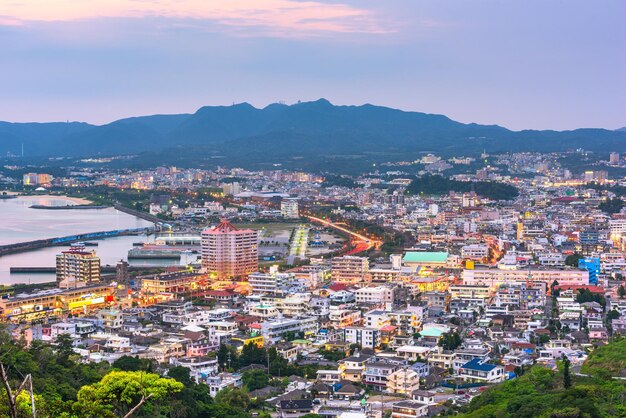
[
  {"x": 545, "y": 393},
  {"x": 131, "y": 386}
]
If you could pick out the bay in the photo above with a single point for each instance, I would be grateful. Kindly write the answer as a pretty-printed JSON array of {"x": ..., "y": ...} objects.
[{"x": 19, "y": 223}]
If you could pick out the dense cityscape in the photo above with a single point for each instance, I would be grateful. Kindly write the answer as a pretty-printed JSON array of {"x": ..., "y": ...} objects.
[
  {"x": 401, "y": 292},
  {"x": 312, "y": 209}
]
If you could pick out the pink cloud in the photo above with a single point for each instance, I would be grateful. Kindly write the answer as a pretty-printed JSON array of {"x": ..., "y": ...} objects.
[{"x": 271, "y": 17}]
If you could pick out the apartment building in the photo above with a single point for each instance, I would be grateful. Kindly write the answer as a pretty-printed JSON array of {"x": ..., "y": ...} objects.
[
  {"x": 77, "y": 267},
  {"x": 350, "y": 269},
  {"x": 229, "y": 252}
]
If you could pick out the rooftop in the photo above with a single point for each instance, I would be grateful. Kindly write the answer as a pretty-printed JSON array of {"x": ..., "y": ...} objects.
[{"x": 425, "y": 257}]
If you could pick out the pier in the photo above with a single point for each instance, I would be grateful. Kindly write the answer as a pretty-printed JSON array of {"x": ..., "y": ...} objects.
[
  {"x": 143, "y": 215},
  {"x": 50, "y": 242}
]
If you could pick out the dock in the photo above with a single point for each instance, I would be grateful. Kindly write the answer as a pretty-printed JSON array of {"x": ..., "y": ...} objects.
[{"x": 50, "y": 242}]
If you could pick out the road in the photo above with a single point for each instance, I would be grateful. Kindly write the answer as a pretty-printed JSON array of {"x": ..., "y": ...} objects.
[{"x": 361, "y": 242}]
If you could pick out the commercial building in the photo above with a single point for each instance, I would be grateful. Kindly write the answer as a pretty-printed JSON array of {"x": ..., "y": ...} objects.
[
  {"x": 425, "y": 259},
  {"x": 228, "y": 252},
  {"x": 374, "y": 295},
  {"x": 175, "y": 283},
  {"x": 272, "y": 282},
  {"x": 494, "y": 277},
  {"x": 289, "y": 208},
  {"x": 475, "y": 252},
  {"x": 350, "y": 269},
  {"x": 592, "y": 265},
  {"x": 29, "y": 306},
  {"x": 231, "y": 189},
  {"x": 35, "y": 179},
  {"x": 77, "y": 267}
]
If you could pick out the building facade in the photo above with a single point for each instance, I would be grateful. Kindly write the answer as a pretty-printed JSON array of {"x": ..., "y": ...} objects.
[
  {"x": 77, "y": 267},
  {"x": 228, "y": 252}
]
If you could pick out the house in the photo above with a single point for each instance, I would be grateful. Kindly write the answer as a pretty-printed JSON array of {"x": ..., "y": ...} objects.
[
  {"x": 598, "y": 334},
  {"x": 377, "y": 373},
  {"x": 479, "y": 371},
  {"x": 424, "y": 397},
  {"x": 287, "y": 351},
  {"x": 413, "y": 352},
  {"x": 352, "y": 368},
  {"x": 403, "y": 381},
  {"x": 329, "y": 376},
  {"x": 409, "y": 409},
  {"x": 348, "y": 391},
  {"x": 422, "y": 369},
  {"x": 441, "y": 358},
  {"x": 223, "y": 381},
  {"x": 619, "y": 326},
  {"x": 199, "y": 367},
  {"x": 294, "y": 408},
  {"x": 463, "y": 355}
]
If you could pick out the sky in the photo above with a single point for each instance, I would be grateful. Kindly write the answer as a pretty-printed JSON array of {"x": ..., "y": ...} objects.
[{"x": 531, "y": 64}]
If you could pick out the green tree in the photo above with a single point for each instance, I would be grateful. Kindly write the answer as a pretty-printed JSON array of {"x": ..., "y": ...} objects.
[
  {"x": 611, "y": 206},
  {"x": 567, "y": 379},
  {"x": 621, "y": 291},
  {"x": 255, "y": 379},
  {"x": 181, "y": 374},
  {"x": 237, "y": 398},
  {"x": 572, "y": 259},
  {"x": 132, "y": 364},
  {"x": 612, "y": 314},
  {"x": 64, "y": 344},
  {"x": 252, "y": 354},
  {"x": 123, "y": 393},
  {"x": 450, "y": 340}
]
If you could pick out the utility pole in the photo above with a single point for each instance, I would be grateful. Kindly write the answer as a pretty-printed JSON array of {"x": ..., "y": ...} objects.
[{"x": 12, "y": 396}]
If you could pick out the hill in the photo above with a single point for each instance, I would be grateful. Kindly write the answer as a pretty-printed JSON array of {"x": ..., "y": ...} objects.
[
  {"x": 541, "y": 393},
  {"x": 312, "y": 130}
]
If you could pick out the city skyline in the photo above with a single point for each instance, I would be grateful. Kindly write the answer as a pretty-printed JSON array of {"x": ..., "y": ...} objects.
[{"x": 533, "y": 66}]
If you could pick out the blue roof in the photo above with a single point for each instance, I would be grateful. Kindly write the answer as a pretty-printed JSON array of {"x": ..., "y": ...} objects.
[{"x": 475, "y": 364}]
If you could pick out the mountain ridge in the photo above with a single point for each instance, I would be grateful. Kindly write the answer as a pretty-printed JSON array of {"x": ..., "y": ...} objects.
[{"x": 304, "y": 129}]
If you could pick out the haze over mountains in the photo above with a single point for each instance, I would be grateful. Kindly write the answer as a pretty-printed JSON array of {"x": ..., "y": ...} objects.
[{"x": 302, "y": 130}]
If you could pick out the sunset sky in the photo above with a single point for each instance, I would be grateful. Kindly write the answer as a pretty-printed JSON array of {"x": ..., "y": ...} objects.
[{"x": 521, "y": 64}]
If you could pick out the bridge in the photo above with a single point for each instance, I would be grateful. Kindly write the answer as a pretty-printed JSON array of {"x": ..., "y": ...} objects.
[{"x": 50, "y": 242}]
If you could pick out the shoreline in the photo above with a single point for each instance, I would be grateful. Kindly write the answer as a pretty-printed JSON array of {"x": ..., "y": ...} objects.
[
  {"x": 69, "y": 207},
  {"x": 74, "y": 200}
]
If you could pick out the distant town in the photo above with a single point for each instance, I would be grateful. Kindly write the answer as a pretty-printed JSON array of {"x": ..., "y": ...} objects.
[{"x": 411, "y": 290}]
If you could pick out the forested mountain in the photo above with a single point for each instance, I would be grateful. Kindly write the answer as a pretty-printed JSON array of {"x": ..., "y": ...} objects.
[{"x": 302, "y": 130}]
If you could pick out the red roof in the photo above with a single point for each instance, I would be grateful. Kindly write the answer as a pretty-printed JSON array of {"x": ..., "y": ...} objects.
[
  {"x": 244, "y": 319},
  {"x": 337, "y": 287},
  {"x": 255, "y": 326},
  {"x": 523, "y": 345},
  {"x": 219, "y": 293},
  {"x": 565, "y": 199},
  {"x": 225, "y": 227},
  {"x": 388, "y": 328},
  {"x": 591, "y": 288}
]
